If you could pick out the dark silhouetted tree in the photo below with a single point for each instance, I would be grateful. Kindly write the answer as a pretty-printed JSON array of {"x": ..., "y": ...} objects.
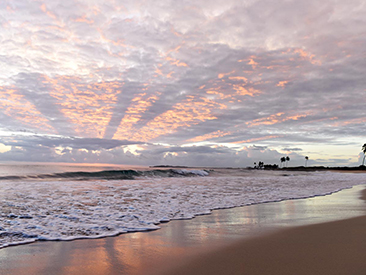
[
  {"x": 283, "y": 159},
  {"x": 364, "y": 153},
  {"x": 287, "y": 159},
  {"x": 306, "y": 160},
  {"x": 270, "y": 166}
]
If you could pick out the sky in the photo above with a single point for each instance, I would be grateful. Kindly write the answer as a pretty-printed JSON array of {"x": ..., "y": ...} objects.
[{"x": 191, "y": 82}]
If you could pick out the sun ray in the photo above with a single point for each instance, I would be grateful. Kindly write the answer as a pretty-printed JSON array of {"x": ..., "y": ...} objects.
[
  {"x": 87, "y": 106},
  {"x": 138, "y": 107},
  {"x": 16, "y": 106},
  {"x": 190, "y": 112}
]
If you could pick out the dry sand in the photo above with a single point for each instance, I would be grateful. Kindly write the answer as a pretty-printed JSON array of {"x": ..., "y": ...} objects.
[{"x": 329, "y": 248}]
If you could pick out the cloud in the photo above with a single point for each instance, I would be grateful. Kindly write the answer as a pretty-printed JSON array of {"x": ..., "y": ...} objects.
[
  {"x": 255, "y": 147},
  {"x": 57, "y": 141},
  {"x": 292, "y": 149},
  {"x": 281, "y": 75}
]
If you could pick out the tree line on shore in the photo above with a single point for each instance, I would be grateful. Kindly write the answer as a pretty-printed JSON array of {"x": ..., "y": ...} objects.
[{"x": 286, "y": 160}]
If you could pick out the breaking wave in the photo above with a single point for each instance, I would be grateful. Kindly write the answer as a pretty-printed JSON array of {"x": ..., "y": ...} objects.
[{"x": 114, "y": 174}]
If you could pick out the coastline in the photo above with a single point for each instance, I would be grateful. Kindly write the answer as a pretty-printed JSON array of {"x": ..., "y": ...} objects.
[
  {"x": 336, "y": 247},
  {"x": 143, "y": 252},
  {"x": 33, "y": 210},
  {"x": 327, "y": 248}
]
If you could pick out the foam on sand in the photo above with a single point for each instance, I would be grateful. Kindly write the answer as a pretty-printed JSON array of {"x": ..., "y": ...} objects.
[{"x": 67, "y": 210}]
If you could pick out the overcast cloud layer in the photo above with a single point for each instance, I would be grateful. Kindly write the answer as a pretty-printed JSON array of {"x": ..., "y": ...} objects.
[{"x": 208, "y": 83}]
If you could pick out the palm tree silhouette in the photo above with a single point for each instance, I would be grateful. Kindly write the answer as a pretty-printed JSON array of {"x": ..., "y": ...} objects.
[
  {"x": 287, "y": 159},
  {"x": 306, "y": 160},
  {"x": 283, "y": 159},
  {"x": 364, "y": 153}
]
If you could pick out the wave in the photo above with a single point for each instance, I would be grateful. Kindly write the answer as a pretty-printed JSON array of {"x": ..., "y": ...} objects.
[
  {"x": 49, "y": 210},
  {"x": 114, "y": 174}
]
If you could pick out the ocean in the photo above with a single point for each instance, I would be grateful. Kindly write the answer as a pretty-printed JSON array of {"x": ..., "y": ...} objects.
[{"x": 66, "y": 201}]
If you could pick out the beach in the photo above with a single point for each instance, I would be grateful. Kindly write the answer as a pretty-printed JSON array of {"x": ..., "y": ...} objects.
[
  {"x": 320, "y": 235},
  {"x": 327, "y": 248}
]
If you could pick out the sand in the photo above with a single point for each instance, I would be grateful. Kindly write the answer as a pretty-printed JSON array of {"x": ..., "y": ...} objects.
[
  {"x": 328, "y": 248},
  {"x": 257, "y": 239}
]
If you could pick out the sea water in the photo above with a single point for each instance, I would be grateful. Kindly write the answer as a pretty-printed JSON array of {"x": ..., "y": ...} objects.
[{"x": 66, "y": 202}]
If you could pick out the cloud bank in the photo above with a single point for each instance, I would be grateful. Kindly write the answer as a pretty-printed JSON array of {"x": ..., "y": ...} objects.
[{"x": 218, "y": 83}]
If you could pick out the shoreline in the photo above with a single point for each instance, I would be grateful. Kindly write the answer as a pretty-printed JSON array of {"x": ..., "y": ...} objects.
[
  {"x": 327, "y": 248},
  {"x": 184, "y": 219},
  {"x": 203, "y": 203},
  {"x": 142, "y": 252},
  {"x": 336, "y": 247}
]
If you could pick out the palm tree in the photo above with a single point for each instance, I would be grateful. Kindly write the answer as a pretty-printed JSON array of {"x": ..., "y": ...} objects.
[
  {"x": 364, "y": 153},
  {"x": 306, "y": 160},
  {"x": 287, "y": 159},
  {"x": 283, "y": 159}
]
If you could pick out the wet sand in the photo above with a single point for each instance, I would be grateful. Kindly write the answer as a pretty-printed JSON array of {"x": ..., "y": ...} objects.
[
  {"x": 328, "y": 248},
  {"x": 257, "y": 239}
]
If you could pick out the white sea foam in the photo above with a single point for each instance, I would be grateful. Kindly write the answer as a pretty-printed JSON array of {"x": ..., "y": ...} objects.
[
  {"x": 66, "y": 210},
  {"x": 201, "y": 173}
]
